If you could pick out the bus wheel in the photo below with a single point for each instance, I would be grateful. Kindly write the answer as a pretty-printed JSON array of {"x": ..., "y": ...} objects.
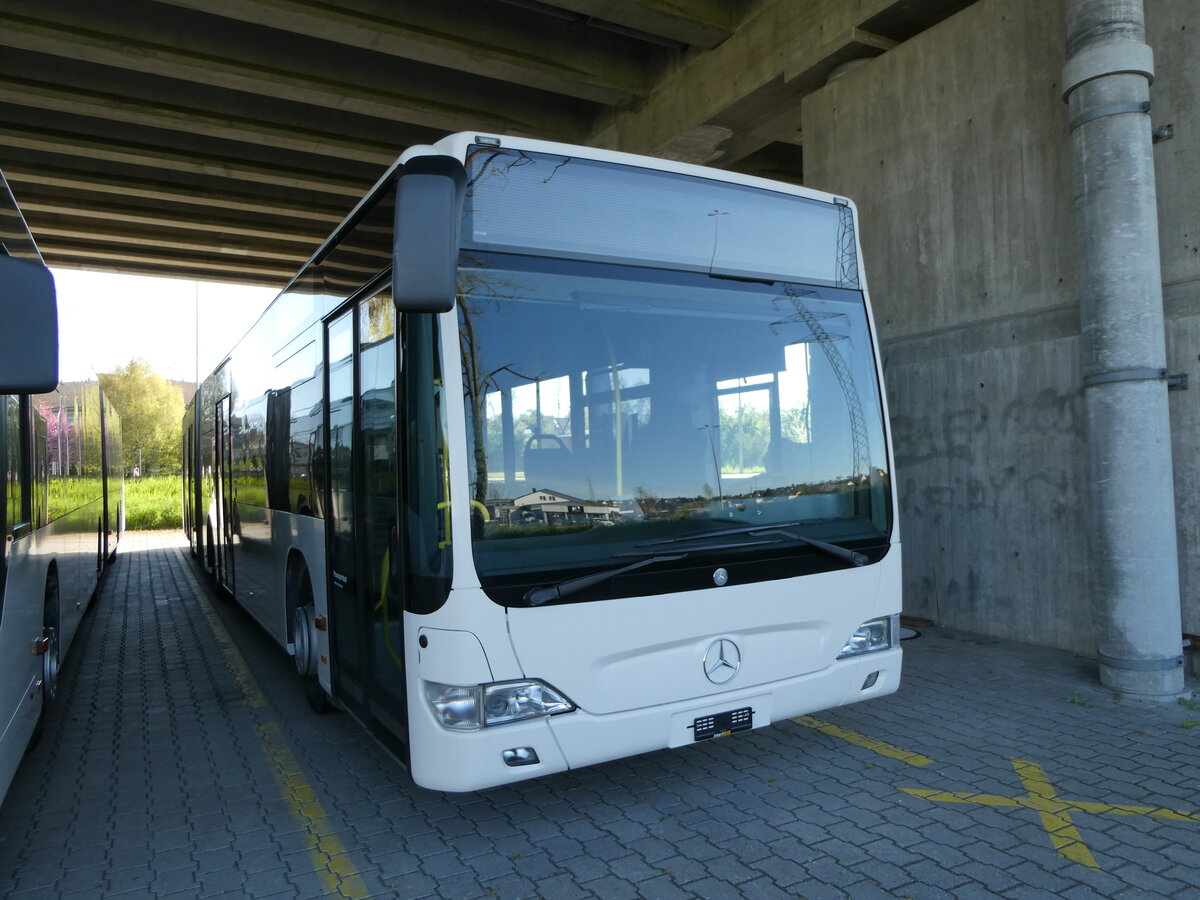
[
  {"x": 304, "y": 632},
  {"x": 50, "y": 632},
  {"x": 304, "y": 637},
  {"x": 50, "y": 658},
  {"x": 210, "y": 555}
]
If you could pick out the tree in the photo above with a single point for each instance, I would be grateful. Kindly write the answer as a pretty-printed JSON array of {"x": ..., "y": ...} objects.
[
  {"x": 151, "y": 410},
  {"x": 745, "y": 435}
]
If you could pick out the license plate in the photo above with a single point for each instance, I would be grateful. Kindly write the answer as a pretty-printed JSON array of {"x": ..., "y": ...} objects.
[{"x": 722, "y": 724}]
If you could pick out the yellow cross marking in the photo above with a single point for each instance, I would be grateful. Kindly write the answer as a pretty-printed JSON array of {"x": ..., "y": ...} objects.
[
  {"x": 861, "y": 740},
  {"x": 1055, "y": 812}
]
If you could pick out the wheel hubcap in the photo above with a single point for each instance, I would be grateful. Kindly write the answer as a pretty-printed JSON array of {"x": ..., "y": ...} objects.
[{"x": 50, "y": 665}]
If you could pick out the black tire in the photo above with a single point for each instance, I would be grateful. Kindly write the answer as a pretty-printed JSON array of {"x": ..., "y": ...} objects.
[
  {"x": 50, "y": 659},
  {"x": 317, "y": 699}
]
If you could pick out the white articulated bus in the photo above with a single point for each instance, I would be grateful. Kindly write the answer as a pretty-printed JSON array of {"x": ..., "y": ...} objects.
[
  {"x": 553, "y": 455},
  {"x": 62, "y": 495}
]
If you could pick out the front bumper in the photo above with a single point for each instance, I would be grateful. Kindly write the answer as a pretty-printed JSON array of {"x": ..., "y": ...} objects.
[{"x": 469, "y": 761}]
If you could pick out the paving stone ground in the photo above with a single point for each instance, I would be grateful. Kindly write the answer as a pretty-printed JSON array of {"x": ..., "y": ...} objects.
[{"x": 184, "y": 762}]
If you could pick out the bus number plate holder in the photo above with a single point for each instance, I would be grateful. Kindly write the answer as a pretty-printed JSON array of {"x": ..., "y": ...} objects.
[{"x": 721, "y": 724}]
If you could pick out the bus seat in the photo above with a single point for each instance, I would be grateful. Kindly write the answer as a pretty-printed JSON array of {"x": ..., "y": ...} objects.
[{"x": 549, "y": 468}]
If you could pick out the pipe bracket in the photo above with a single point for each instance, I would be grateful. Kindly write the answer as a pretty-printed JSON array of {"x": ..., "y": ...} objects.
[
  {"x": 1141, "y": 665},
  {"x": 1115, "y": 109},
  {"x": 1126, "y": 375}
]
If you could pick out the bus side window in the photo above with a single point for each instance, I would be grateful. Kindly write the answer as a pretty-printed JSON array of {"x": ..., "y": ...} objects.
[
  {"x": 10, "y": 458},
  {"x": 40, "y": 481},
  {"x": 17, "y": 466}
]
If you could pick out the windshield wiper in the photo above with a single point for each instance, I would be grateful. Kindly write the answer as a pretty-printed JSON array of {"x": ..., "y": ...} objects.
[
  {"x": 743, "y": 278},
  {"x": 540, "y": 595},
  {"x": 843, "y": 553}
]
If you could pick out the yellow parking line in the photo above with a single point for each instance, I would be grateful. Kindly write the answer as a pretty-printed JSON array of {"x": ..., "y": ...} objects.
[
  {"x": 962, "y": 797},
  {"x": 1054, "y": 811},
  {"x": 1122, "y": 809},
  {"x": 1056, "y": 817},
  {"x": 331, "y": 862},
  {"x": 861, "y": 740}
]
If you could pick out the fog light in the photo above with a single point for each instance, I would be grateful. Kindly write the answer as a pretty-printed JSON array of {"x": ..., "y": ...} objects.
[
  {"x": 520, "y": 756},
  {"x": 456, "y": 706},
  {"x": 871, "y": 679}
]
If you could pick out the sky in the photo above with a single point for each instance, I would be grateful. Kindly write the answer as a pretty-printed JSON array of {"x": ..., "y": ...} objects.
[{"x": 105, "y": 320}]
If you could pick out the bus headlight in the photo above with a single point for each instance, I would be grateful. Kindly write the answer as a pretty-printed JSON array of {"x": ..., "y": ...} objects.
[
  {"x": 468, "y": 707},
  {"x": 876, "y": 634},
  {"x": 514, "y": 700}
]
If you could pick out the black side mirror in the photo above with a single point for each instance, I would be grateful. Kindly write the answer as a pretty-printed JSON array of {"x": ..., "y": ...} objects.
[
  {"x": 28, "y": 327},
  {"x": 429, "y": 205}
]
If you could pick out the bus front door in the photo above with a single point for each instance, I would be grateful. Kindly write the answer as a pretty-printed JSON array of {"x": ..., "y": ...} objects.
[
  {"x": 342, "y": 546},
  {"x": 365, "y": 604}
]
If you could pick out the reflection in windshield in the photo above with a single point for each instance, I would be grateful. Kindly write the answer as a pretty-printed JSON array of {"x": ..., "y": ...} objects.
[{"x": 611, "y": 405}]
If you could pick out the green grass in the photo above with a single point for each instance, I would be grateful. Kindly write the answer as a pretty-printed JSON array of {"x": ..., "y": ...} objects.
[{"x": 153, "y": 502}]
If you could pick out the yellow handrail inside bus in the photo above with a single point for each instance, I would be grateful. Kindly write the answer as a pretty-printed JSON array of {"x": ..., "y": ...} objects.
[
  {"x": 445, "y": 507},
  {"x": 382, "y": 607}
]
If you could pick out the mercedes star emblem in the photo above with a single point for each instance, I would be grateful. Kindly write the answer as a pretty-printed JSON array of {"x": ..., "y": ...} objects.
[{"x": 722, "y": 661}]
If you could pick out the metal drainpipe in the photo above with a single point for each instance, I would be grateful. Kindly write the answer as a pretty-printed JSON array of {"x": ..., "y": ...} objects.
[{"x": 1106, "y": 82}]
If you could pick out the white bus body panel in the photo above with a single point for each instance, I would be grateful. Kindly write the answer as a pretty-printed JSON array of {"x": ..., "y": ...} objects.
[
  {"x": 73, "y": 542},
  {"x": 459, "y": 144},
  {"x": 20, "y": 670},
  {"x": 267, "y": 539},
  {"x": 616, "y": 655},
  {"x": 586, "y": 739},
  {"x": 635, "y": 668},
  {"x": 73, "y": 549}
]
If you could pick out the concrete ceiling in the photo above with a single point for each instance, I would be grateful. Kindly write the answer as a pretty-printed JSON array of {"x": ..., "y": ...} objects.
[{"x": 223, "y": 139}]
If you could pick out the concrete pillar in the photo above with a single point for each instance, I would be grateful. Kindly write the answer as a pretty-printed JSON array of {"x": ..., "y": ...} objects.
[{"x": 1106, "y": 82}]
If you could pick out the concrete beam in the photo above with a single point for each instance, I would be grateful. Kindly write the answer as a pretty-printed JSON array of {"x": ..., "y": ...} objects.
[
  {"x": 184, "y": 119},
  {"x": 774, "y": 57},
  {"x": 150, "y": 157},
  {"x": 772, "y": 114},
  {"x": 441, "y": 107},
  {"x": 172, "y": 241},
  {"x": 122, "y": 258},
  {"x": 492, "y": 41},
  {"x": 172, "y": 270},
  {"x": 20, "y": 174},
  {"x": 699, "y": 23},
  {"x": 777, "y": 161},
  {"x": 38, "y": 205}
]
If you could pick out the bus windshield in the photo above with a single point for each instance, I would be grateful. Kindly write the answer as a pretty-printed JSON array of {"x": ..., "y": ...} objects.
[{"x": 610, "y": 406}]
